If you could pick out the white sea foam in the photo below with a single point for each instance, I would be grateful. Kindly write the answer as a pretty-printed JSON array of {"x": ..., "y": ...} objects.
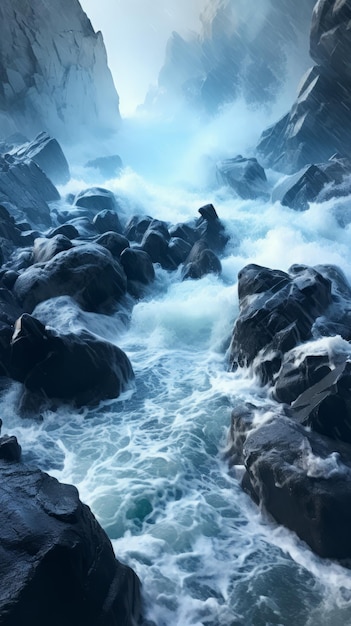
[{"x": 150, "y": 463}]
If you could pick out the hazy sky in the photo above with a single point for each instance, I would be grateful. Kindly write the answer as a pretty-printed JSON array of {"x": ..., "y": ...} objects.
[{"x": 135, "y": 34}]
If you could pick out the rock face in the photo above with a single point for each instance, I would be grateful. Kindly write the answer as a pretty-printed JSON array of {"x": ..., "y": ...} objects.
[
  {"x": 319, "y": 122},
  {"x": 243, "y": 50},
  {"x": 57, "y": 564},
  {"x": 54, "y": 73},
  {"x": 293, "y": 330}
]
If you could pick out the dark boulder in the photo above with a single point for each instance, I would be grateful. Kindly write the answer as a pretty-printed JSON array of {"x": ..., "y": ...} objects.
[
  {"x": 68, "y": 230},
  {"x": 210, "y": 229},
  {"x": 106, "y": 221},
  {"x": 10, "y": 450},
  {"x": 184, "y": 231},
  {"x": 87, "y": 272},
  {"x": 138, "y": 268},
  {"x": 298, "y": 190},
  {"x": 304, "y": 481},
  {"x": 325, "y": 405},
  {"x": 155, "y": 243},
  {"x": 113, "y": 242},
  {"x": 277, "y": 310},
  {"x": 245, "y": 176},
  {"x": 45, "y": 249},
  {"x": 47, "y": 153},
  {"x": 96, "y": 199},
  {"x": 178, "y": 251},
  {"x": 314, "y": 183},
  {"x": 57, "y": 564},
  {"x": 136, "y": 227},
  {"x": 80, "y": 368},
  {"x": 201, "y": 261},
  {"x": 107, "y": 166},
  {"x": 296, "y": 375}
]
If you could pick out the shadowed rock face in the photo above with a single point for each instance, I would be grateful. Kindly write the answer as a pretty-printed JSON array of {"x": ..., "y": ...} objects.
[
  {"x": 57, "y": 565},
  {"x": 244, "y": 50},
  {"x": 53, "y": 71},
  {"x": 319, "y": 122}
]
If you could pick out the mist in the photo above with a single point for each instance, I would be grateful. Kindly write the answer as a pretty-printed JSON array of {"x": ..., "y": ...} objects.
[{"x": 135, "y": 34}]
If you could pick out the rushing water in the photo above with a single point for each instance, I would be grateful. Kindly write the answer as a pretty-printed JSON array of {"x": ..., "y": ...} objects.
[{"x": 151, "y": 464}]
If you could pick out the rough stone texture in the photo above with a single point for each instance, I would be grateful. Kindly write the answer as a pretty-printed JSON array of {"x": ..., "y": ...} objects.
[
  {"x": 245, "y": 176},
  {"x": 201, "y": 261},
  {"x": 79, "y": 368},
  {"x": 319, "y": 123},
  {"x": 46, "y": 152},
  {"x": 304, "y": 480},
  {"x": 57, "y": 564},
  {"x": 87, "y": 272},
  {"x": 277, "y": 311},
  {"x": 26, "y": 190},
  {"x": 54, "y": 73}
]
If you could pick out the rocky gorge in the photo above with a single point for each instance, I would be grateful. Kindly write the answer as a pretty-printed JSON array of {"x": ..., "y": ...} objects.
[{"x": 73, "y": 263}]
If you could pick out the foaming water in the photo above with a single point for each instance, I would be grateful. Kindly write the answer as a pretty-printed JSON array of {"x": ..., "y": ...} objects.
[{"x": 151, "y": 464}]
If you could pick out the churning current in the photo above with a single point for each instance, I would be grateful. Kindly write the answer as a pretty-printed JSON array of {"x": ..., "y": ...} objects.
[{"x": 151, "y": 465}]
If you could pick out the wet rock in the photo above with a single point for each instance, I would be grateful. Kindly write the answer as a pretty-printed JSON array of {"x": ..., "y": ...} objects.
[
  {"x": 318, "y": 124},
  {"x": 10, "y": 450},
  {"x": 186, "y": 232},
  {"x": 298, "y": 190},
  {"x": 325, "y": 405},
  {"x": 79, "y": 368},
  {"x": 155, "y": 243},
  {"x": 138, "y": 268},
  {"x": 87, "y": 272},
  {"x": 277, "y": 310},
  {"x": 136, "y": 227},
  {"x": 45, "y": 249},
  {"x": 113, "y": 242},
  {"x": 96, "y": 199},
  {"x": 68, "y": 230},
  {"x": 201, "y": 261},
  {"x": 64, "y": 570},
  {"x": 210, "y": 229},
  {"x": 47, "y": 153},
  {"x": 106, "y": 221},
  {"x": 178, "y": 251},
  {"x": 304, "y": 481},
  {"x": 245, "y": 176}
]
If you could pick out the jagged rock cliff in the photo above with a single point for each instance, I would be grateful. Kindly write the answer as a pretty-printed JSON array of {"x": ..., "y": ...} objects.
[
  {"x": 243, "y": 50},
  {"x": 53, "y": 71},
  {"x": 319, "y": 122}
]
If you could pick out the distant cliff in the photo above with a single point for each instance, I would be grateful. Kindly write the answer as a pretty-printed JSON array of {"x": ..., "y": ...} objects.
[
  {"x": 53, "y": 71},
  {"x": 245, "y": 49}
]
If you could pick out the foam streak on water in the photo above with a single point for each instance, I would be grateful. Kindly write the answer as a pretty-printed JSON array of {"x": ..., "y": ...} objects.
[{"x": 151, "y": 464}]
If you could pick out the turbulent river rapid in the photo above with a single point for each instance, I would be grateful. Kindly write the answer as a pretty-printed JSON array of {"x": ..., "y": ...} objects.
[{"x": 151, "y": 465}]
